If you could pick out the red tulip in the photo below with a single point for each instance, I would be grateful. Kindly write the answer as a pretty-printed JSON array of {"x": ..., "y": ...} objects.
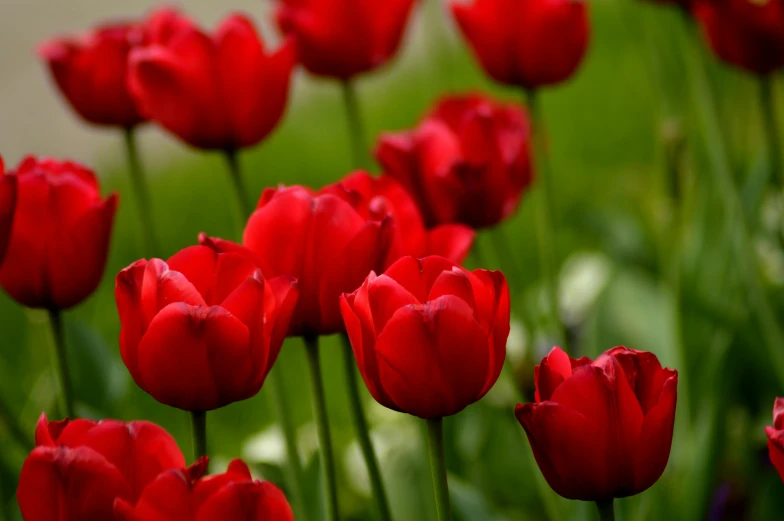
[
  {"x": 468, "y": 162},
  {"x": 601, "y": 430},
  {"x": 776, "y": 437},
  {"x": 91, "y": 71},
  {"x": 59, "y": 236},
  {"x": 342, "y": 38},
  {"x": 80, "y": 467},
  {"x": 526, "y": 43},
  {"x": 203, "y": 329},
  {"x": 378, "y": 197},
  {"x": 215, "y": 92},
  {"x": 745, "y": 33},
  {"x": 184, "y": 495},
  {"x": 429, "y": 336},
  {"x": 7, "y": 208},
  {"x": 319, "y": 239}
]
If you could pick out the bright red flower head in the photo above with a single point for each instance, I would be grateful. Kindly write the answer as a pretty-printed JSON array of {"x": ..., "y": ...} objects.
[
  {"x": 468, "y": 162},
  {"x": 429, "y": 336},
  {"x": 91, "y": 71},
  {"x": 601, "y": 430},
  {"x": 203, "y": 329},
  {"x": 342, "y": 38},
  {"x": 216, "y": 92},
  {"x": 776, "y": 437},
  {"x": 745, "y": 33},
  {"x": 80, "y": 467},
  {"x": 376, "y": 198},
  {"x": 59, "y": 236},
  {"x": 526, "y": 43},
  {"x": 184, "y": 495}
]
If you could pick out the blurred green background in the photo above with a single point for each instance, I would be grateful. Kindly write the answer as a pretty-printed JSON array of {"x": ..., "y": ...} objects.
[{"x": 648, "y": 255}]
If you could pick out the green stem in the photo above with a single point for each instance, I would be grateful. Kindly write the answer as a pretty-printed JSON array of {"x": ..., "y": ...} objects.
[
  {"x": 322, "y": 427},
  {"x": 435, "y": 436},
  {"x": 606, "y": 510},
  {"x": 141, "y": 192},
  {"x": 199, "y": 425},
  {"x": 363, "y": 433},
  {"x": 356, "y": 129},
  {"x": 545, "y": 226},
  {"x": 61, "y": 363},
  {"x": 768, "y": 105},
  {"x": 237, "y": 182}
]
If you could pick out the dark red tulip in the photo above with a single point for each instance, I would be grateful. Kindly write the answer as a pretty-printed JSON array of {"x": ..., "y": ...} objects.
[
  {"x": 468, "y": 162},
  {"x": 526, "y": 43},
  {"x": 59, "y": 236},
  {"x": 322, "y": 241},
  {"x": 378, "y": 197},
  {"x": 202, "y": 329},
  {"x": 429, "y": 336},
  {"x": 80, "y": 467},
  {"x": 7, "y": 208},
  {"x": 744, "y": 33},
  {"x": 776, "y": 437},
  {"x": 342, "y": 38},
  {"x": 224, "y": 91},
  {"x": 91, "y": 71},
  {"x": 184, "y": 495},
  {"x": 601, "y": 430}
]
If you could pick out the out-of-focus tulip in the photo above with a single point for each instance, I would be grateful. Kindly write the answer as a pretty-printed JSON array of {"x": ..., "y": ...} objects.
[
  {"x": 603, "y": 429},
  {"x": 220, "y": 92},
  {"x": 202, "y": 329},
  {"x": 322, "y": 241},
  {"x": 60, "y": 233},
  {"x": 468, "y": 162},
  {"x": 429, "y": 336},
  {"x": 776, "y": 437},
  {"x": 342, "y": 38},
  {"x": 80, "y": 467},
  {"x": 7, "y": 208},
  {"x": 376, "y": 198},
  {"x": 91, "y": 71},
  {"x": 184, "y": 495},
  {"x": 526, "y": 43},
  {"x": 744, "y": 33}
]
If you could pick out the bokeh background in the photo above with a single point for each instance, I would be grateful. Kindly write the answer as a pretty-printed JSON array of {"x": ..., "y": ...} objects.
[{"x": 645, "y": 256}]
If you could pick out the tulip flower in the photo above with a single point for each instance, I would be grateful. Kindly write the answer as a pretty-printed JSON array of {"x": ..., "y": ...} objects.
[
  {"x": 8, "y": 195},
  {"x": 601, "y": 429},
  {"x": 776, "y": 437},
  {"x": 469, "y": 161},
  {"x": 80, "y": 467},
  {"x": 185, "y": 495},
  {"x": 377, "y": 198}
]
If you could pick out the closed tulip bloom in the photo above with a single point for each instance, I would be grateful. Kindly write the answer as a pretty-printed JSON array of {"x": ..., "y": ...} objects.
[
  {"x": 526, "y": 43},
  {"x": 744, "y": 33},
  {"x": 776, "y": 437},
  {"x": 343, "y": 38},
  {"x": 223, "y": 92},
  {"x": 603, "y": 429},
  {"x": 59, "y": 236},
  {"x": 429, "y": 336},
  {"x": 185, "y": 495},
  {"x": 203, "y": 329},
  {"x": 468, "y": 162},
  {"x": 376, "y": 198},
  {"x": 80, "y": 467},
  {"x": 91, "y": 71},
  {"x": 7, "y": 208}
]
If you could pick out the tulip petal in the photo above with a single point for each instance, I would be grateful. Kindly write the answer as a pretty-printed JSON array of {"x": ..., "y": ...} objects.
[
  {"x": 653, "y": 448},
  {"x": 167, "y": 498},
  {"x": 554, "y": 369},
  {"x": 451, "y": 241},
  {"x": 385, "y": 296},
  {"x": 197, "y": 264},
  {"x": 246, "y": 501},
  {"x": 418, "y": 275}
]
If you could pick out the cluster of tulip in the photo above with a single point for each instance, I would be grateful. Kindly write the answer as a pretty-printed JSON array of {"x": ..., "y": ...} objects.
[{"x": 376, "y": 259}]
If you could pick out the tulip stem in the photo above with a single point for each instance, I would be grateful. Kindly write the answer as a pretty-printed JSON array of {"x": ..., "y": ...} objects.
[
  {"x": 329, "y": 480},
  {"x": 61, "y": 363},
  {"x": 142, "y": 193},
  {"x": 768, "y": 105},
  {"x": 435, "y": 436},
  {"x": 546, "y": 228},
  {"x": 199, "y": 425},
  {"x": 356, "y": 129},
  {"x": 606, "y": 510},
  {"x": 238, "y": 183},
  {"x": 363, "y": 433}
]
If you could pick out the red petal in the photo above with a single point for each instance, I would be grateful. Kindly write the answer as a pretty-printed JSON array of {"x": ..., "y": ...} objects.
[
  {"x": 451, "y": 241},
  {"x": 653, "y": 448},
  {"x": 249, "y": 501},
  {"x": 554, "y": 369}
]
